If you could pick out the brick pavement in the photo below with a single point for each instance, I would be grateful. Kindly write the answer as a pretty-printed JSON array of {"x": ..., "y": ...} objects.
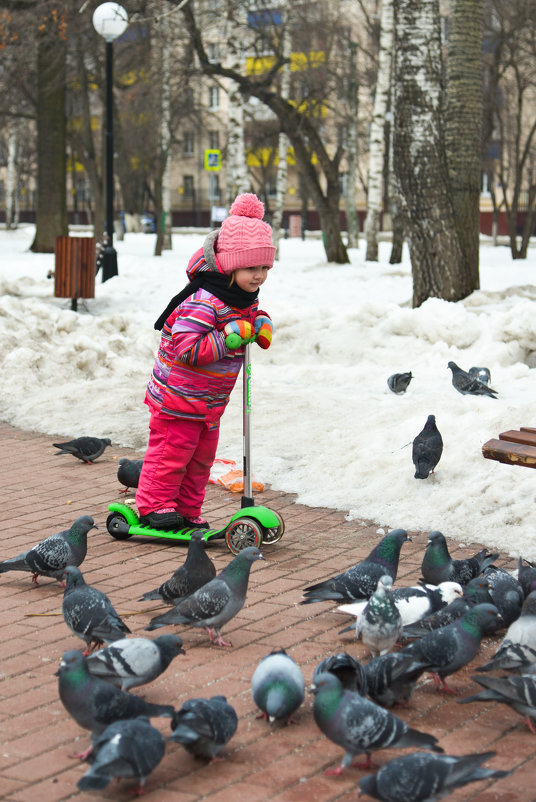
[{"x": 43, "y": 493}]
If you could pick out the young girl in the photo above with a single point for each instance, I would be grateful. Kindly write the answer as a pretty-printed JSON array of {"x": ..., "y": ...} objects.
[{"x": 195, "y": 370}]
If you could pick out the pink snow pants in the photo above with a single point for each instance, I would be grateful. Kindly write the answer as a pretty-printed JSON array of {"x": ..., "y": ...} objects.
[{"x": 176, "y": 466}]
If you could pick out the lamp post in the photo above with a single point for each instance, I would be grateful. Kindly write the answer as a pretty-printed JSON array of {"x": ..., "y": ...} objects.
[{"x": 110, "y": 20}]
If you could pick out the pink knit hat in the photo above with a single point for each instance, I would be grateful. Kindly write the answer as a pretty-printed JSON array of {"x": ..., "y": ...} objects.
[{"x": 244, "y": 240}]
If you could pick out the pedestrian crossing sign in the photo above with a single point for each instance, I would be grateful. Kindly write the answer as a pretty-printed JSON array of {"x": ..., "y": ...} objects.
[{"x": 213, "y": 159}]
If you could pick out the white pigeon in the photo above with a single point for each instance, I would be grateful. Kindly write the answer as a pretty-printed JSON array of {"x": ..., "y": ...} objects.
[{"x": 414, "y": 602}]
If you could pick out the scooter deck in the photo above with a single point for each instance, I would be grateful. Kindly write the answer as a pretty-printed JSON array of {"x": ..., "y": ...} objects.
[{"x": 173, "y": 534}]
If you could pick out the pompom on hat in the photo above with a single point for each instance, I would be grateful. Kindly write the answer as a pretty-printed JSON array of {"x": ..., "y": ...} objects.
[{"x": 244, "y": 240}]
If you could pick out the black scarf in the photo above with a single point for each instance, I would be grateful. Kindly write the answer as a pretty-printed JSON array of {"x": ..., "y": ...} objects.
[{"x": 218, "y": 285}]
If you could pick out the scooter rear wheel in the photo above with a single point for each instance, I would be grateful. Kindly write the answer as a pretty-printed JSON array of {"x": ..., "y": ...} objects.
[
  {"x": 241, "y": 533},
  {"x": 117, "y": 526}
]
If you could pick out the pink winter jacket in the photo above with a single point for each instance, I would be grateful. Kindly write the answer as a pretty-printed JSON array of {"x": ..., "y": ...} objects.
[{"x": 194, "y": 371}]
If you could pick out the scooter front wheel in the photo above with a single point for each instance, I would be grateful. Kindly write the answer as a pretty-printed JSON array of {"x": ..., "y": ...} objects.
[
  {"x": 118, "y": 526},
  {"x": 241, "y": 533},
  {"x": 273, "y": 534}
]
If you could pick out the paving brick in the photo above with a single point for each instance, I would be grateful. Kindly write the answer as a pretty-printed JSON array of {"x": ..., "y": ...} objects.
[{"x": 44, "y": 494}]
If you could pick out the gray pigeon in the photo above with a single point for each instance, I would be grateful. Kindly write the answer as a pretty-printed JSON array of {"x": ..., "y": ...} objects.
[
  {"x": 506, "y": 593},
  {"x": 414, "y": 602},
  {"x": 278, "y": 686},
  {"x": 360, "y": 581},
  {"x": 518, "y": 692},
  {"x": 204, "y": 726},
  {"x": 526, "y": 575},
  {"x": 359, "y": 725},
  {"x": 86, "y": 449},
  {"x": 128, "y": 748},
  {"x": 89, "y": 613},
  {"x": 380, "y": 624},
  {"x": 347, "y": 669},
  {"x": 482, "y": 374},
  {"x": 424, "y": 777},
  {"x": 427, "y": 449},
  {"x": 453, "y": 646},
  {"x": 52, "y": 555},
  {"x": 128, "y": 472},
  {"x": 197, "y": 570},
  {"x": 469, "y": 385},
  {"x": 438, "y": 566},
  {"x": 519, "y": 642},
  {"x": 216, "y": 603},
  {"x": 476, "y": 592},
  {"x": 94, "y": 703},
  {"x": 398, "y": 383},
  {"x": 130, "y": 662},
  {"x": 391, "y": 678}
]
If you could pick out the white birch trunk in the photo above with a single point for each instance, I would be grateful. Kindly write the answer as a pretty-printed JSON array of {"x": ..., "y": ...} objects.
[
  {"x": 376, "y": 147},
  {"x": 165, "y": 140},
  {"x": 11, "y": 176},
  {"x": 281, "y": 178},
  {"x": 236, "y": 175}
]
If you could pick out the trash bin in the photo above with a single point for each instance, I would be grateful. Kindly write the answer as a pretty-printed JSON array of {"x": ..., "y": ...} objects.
[{"x": 74, "y": 268}]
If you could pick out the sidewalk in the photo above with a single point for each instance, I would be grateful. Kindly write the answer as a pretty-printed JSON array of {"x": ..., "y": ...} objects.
[{"x": 43, "y": 493}]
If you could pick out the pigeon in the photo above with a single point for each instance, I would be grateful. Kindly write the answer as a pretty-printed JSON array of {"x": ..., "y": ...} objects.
[
  {"x": 348, "y": 670},
  {"x": 414, "y": 602},
  {"x": 506, "y": 593},
  {"x": 425, "y": 777},
  {"x": 476, "y": 592},
  {"x": 482, "y": 374},
  {"x": 519, "y": 642},
  {"x": 216, "y": 603},
  {"x": 197, "y": 570},
  {"x": 360, "y": 725},
  {"x": 360, "y": 582},
  {"x": 130, "y": 662},
  {"x": 453, "y": 646},
  {"x": 438, "y": 566},
  {"x": 128, "y": 473},
  {"x": 398, "y": 383},
  {"x": 517, "y": 691},
  {"x": 391, "y": 678},
  {"x": 277, "y": 686},
  {"x": 469, "y": 385},
  {"x": 380, "y": 624},
  {"x": 126, "y": 748},
  {"x": 89, "y": 613},
  {"x": 87, "y": 449},
  {"x": 204, "y": 726},
  {"x": 52, "y": 555},
  {"x": 526, "y": 575},
  {"x": 427, "y": 449},
  {"x": 94, "y": 703}
]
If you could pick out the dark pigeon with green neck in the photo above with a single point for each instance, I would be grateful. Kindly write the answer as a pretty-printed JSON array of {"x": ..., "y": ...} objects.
[
  {"x": 359, "y": 725},
  {"x": 52, "y": 556},
  {"x": 197, "y": 570},
  {"x": 360, "y": 582},
  {"x": 438, "y": 566}
]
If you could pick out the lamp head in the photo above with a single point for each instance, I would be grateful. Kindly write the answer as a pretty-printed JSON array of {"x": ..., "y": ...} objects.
[{"x": 110, "y": 20}]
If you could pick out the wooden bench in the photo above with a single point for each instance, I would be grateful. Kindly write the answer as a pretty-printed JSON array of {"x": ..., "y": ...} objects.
[{"x": 515, "y": 447}]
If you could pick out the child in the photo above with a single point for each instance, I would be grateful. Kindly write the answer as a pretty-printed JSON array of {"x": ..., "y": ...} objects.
[{"x": 195, "y": 370}]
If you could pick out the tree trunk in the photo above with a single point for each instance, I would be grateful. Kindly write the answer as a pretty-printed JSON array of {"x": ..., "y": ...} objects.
[
  {"x": 281, "y": 179},
  {"x": 352, "y": 220},
  {"x": 162, "y": 184},
  {"x": 237, "y": 180},
  {"x": 419, "y": 154},
  {"x": 377, "y": 131},
  {"x": 464, "y": 130},
  {"x": 51, "y": 209}
]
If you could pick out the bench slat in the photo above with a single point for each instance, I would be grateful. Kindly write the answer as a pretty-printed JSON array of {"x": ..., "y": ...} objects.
[
  {"x": 510, "y": 453},
  {"x": 523, "y": 436}
]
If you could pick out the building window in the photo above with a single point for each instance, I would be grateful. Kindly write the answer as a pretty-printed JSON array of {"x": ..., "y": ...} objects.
[
  {"x": 214, "y": 187},
  {"x": 214, "y": 140},
  {"x": 213, "y": 98},
  {"x": 188, "y": 142},
  {"x": 188, "y": 184},
  {"x": 213, "y": 51}
]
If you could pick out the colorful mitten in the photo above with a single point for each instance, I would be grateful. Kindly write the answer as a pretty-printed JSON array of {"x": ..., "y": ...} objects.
[
  {"x": 238, "y": 333},
  {"x": 264, "y": 329}
]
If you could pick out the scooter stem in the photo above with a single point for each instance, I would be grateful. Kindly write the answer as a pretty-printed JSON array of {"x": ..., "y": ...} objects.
[{"x": 247, "y": 497}]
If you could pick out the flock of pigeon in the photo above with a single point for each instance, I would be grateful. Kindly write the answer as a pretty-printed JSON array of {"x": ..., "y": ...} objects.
[
  {"x": 428, "y": 444},
  {"x": 438, "y": 626}
]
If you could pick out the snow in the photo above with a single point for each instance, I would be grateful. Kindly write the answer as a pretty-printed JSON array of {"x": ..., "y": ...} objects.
[{"x": 325, "y": 426}]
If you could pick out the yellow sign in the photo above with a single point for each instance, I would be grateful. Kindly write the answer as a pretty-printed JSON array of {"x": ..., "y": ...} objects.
[{"x": 213, "y": 160}]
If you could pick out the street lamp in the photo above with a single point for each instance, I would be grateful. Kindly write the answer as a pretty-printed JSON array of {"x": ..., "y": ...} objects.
[{"x": 110, "y": 20}]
